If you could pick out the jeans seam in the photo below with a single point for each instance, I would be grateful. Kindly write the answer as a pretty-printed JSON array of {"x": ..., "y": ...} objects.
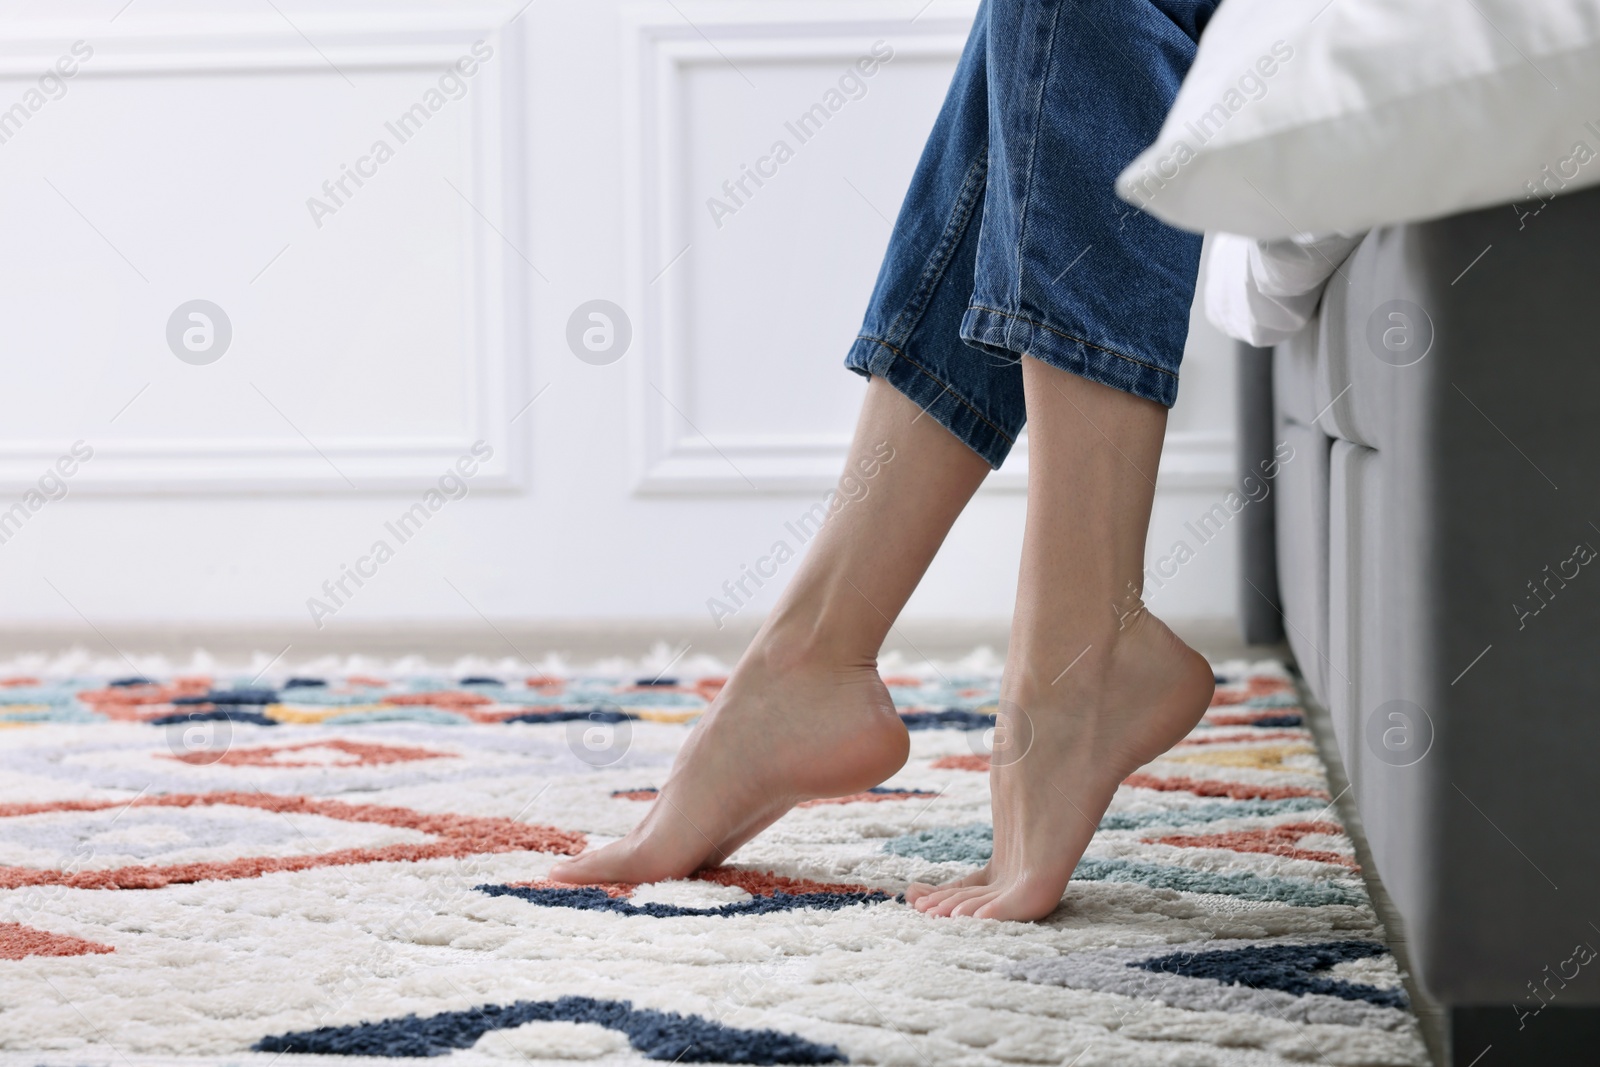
[
  {"x": 1033, "y": 148},
  {"x": 954, "y": 228},
  {"x": 1079, "y": 340},
  {"x": 946, "y": 386}
]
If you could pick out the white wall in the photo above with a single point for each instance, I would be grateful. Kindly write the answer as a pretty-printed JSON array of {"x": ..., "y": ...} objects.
[{"x": 369, "y": 352}]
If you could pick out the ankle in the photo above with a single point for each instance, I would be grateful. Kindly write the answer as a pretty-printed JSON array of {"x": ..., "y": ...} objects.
[
  {"x": 1043, "y": 678},
  {"x": 1088, "y": 658},
  {"x": 790, "y": 643}
]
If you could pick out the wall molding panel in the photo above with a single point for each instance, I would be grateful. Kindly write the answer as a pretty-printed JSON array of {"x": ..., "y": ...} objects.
[
  {"x": 491, "y": 333},
  {"x": 660, "y": 47}
]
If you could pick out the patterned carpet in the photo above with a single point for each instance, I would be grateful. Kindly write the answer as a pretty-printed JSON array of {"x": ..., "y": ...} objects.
[{"x": 327, "y": 869}]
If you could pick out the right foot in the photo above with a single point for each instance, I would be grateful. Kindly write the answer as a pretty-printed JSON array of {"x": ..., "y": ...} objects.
[
  {"x": 777, "y": 734},
  {"x": 1138, "y": 693}
]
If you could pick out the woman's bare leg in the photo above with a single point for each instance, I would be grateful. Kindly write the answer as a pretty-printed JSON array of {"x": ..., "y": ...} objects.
[
  {"x": 804, "y": 713},
  {"x": 1095, "y": 686}
]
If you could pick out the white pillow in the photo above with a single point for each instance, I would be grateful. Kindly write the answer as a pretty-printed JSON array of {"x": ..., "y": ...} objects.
[{"x": 1341, "y": 115}]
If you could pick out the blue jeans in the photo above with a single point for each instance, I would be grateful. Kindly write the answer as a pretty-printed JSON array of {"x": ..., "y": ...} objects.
[{"x": 1011, "y": 241}]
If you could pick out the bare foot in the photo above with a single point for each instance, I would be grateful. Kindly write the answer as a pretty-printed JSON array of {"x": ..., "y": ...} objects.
[
  {"x": 1060, "y": 752},
  {"x": 781, "y": 731}
]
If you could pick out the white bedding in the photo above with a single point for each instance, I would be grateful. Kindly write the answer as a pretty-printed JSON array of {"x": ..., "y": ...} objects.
[
  {"x": 1311, "y": 116},
  {"x": 1264, "y": 292}
]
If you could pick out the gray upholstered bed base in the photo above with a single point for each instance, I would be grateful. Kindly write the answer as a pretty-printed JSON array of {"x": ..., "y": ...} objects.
[{"x": 1437, "y": 550}]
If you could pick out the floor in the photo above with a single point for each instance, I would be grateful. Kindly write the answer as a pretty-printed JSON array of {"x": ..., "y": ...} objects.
[{"x": 586, "y": 642}]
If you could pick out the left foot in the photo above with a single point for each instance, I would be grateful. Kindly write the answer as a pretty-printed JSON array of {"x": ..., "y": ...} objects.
[
  {"x": 1061, "y": 751},
  {"x": 787, "y": 727}
]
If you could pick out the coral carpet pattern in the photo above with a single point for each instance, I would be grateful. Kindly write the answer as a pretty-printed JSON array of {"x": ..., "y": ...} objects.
[{"x": 351, "y": 869}]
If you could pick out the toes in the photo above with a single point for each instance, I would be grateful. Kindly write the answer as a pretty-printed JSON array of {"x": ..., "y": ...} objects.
[
  {"x": 926, "y": 896},
  {"x": 987, "y": 895},
  {"x": 574, "y": 872},
  {"x": 971, "y": 904},
  {"x": 595, "y": 866},
  {"x": 620, "y": 861},
  {"x": 951, "y": 901},
  {"x": 938, "y": 896}
]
